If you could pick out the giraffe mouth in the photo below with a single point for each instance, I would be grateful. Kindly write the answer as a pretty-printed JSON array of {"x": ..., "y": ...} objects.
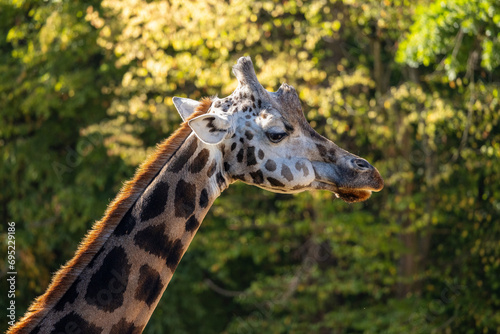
[
  {"x": 349, "y": 195},
  {"x": 348, "y": 184},
  {"x": 353, "y": 195}
]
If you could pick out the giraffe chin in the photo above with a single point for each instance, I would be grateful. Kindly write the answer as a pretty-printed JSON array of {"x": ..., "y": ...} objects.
[
  {"x": 353, "y": 195},
  {"x": 349, "y": 195}
]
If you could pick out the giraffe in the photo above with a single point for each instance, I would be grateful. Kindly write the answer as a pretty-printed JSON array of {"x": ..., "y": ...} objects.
[{"x": 125, "y": 262}]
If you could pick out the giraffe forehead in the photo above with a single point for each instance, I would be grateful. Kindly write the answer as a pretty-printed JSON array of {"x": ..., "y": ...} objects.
[
  {"x": 244, "y": 100},
  {"x": 261, "y": 109}
]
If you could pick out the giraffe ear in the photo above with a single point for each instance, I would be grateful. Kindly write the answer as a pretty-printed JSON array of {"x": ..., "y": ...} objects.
[
  {"x": 210, "y": 128},
  {"x": 185, "y": 106}
]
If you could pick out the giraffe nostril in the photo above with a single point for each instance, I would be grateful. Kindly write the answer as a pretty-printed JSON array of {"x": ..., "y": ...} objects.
[{"x": 361, "y": 164}]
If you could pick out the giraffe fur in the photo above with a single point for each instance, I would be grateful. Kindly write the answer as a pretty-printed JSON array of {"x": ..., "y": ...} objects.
[
  {"x": 126, "y": 261},
  {"x": 95, "y": 238}
]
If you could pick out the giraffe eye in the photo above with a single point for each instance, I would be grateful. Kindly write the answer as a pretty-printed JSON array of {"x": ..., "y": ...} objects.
[{"x": 276, "y": 137}]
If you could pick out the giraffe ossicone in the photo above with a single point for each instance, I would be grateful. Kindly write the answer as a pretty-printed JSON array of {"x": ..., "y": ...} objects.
[{"x": 124, "y": 264}]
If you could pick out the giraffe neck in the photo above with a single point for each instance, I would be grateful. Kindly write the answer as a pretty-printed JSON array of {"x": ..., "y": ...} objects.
[{"x": 119, "y": 288}]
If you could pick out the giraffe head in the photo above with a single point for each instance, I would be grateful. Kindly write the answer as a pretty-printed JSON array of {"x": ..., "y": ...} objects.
[{"x": 266, "y": 141}]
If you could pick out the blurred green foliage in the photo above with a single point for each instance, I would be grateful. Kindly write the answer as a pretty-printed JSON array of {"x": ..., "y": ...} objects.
[{"x": 412, "y": 86}]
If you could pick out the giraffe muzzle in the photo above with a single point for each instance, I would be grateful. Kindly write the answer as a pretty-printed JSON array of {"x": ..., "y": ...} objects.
[{"x": 352, "y": 179}]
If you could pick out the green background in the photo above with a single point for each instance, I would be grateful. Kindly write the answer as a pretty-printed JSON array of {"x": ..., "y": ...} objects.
[{"x": 412, "y": 86}]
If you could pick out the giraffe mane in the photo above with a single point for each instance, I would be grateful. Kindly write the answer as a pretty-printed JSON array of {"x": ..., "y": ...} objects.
[{"x": 115, "y": 211}]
